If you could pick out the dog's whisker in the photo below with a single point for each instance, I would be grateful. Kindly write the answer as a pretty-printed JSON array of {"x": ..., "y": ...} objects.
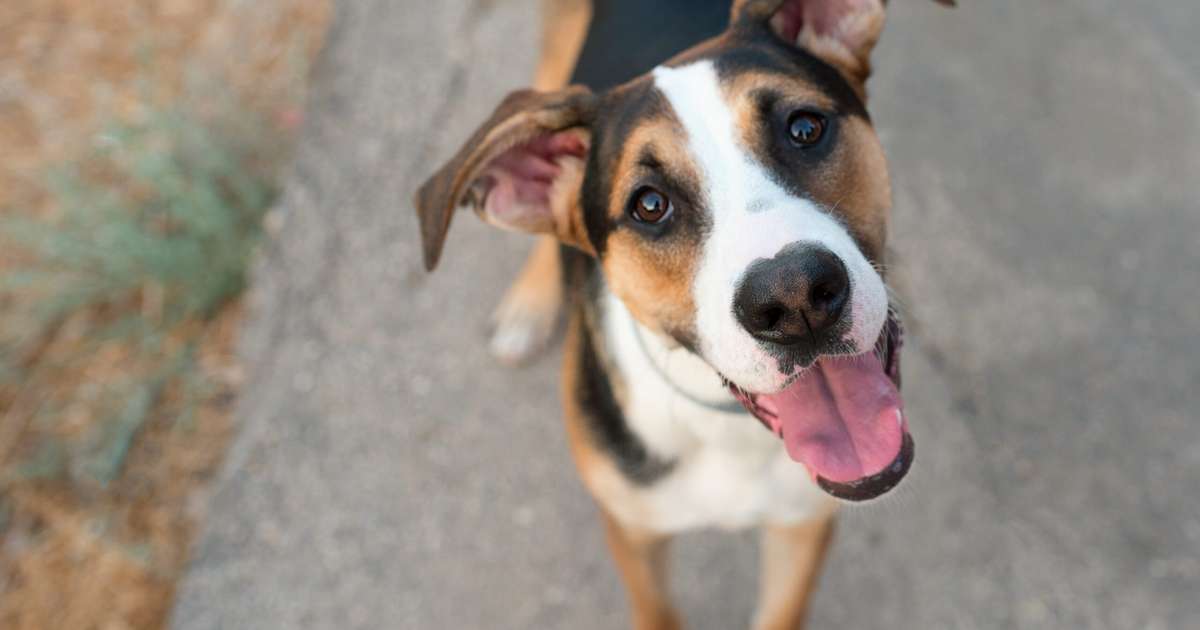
[{"x": 896, "y": 301}]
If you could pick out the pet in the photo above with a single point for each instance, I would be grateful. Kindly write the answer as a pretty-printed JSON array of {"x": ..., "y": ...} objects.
[{"x": 714, "y": 228}]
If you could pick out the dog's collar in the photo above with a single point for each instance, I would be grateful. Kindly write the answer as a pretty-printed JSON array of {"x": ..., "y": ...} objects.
[
  {"x": 731, "y": 406},
  {"x": 889, "y": 345}
]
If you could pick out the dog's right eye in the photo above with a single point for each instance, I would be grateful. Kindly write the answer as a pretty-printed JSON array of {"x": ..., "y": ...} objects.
[
  {"x": 805, "y": 128},
  {"x": 650, "y": 206}
]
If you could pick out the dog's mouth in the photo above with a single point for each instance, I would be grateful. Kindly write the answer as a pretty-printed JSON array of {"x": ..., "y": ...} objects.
[{"x": 843, "y": 419}]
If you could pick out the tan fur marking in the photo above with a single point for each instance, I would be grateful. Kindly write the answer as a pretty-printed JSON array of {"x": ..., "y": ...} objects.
[
  {"x": 667, "y": 138},
  {"x": 642, "y": 560},
  {"x": 740, "y": 87},
  {"x": 656, "y": 285},
  {"x": 791, "y": 558},
  {"x": 852, "y": 182},
  {"x": 564, "y": 25},
  {"x": 858, "y": 190},
  {"x": 598, "y": 471},
  {"x": 653, "y": 280}
]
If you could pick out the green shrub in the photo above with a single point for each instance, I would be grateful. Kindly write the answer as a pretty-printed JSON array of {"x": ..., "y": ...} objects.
[{"x": 152, "y": 232}]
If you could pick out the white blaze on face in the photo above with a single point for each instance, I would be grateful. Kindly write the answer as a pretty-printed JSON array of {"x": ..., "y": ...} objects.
[{"x": 753, "y": 217}]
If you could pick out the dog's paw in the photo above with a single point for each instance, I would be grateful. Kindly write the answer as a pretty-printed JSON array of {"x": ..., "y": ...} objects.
[{"x": 524, "y": 323}]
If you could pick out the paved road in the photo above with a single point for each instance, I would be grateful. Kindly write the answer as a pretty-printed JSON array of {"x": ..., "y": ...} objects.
[{"x": 1045, "y": 157}]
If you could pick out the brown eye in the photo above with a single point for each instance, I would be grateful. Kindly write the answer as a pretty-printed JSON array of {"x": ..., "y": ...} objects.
[
  {"x": 806, "y": 128},
  {"x": 650, "y": 206}
]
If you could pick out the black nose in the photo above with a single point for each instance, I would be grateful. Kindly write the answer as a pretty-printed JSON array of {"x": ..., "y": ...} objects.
[{"x": 795, "y": 297}]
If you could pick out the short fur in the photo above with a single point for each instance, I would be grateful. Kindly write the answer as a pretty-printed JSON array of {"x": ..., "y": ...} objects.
[{"x": 656, "y": 435}]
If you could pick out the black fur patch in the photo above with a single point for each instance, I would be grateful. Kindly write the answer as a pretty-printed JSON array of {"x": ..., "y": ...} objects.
[
  {"x": 760, "y": 50},
  {"x": 623, "y": 109},
  {"x": 606, "y": 422},
  {"x": 627, "y": 38}
]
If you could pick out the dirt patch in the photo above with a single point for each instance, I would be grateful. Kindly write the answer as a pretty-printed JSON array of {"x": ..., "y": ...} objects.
[{"x": 103, "y": 550}]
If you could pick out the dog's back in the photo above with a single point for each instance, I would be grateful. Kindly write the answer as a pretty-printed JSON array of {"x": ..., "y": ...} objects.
[{"x": 627, "y": 38}]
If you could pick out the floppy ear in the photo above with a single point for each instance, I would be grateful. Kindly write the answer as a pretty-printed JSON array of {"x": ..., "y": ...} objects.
[
  {"x": 840, "y": 32},
  {"x": 521, "y": 170}
]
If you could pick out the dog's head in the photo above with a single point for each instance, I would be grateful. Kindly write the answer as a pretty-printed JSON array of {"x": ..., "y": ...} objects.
[{"x": 737, "y": 200}]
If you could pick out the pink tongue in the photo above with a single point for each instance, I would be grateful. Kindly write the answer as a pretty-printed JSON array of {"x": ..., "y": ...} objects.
[{"x": 842, "y": 418}]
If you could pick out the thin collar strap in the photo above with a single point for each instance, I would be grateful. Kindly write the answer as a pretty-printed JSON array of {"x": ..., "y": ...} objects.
[{"x": 732, "y": 406}]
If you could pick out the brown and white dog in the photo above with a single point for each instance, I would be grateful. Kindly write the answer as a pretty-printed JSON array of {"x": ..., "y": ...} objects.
[{"x": 726, "y": 217}]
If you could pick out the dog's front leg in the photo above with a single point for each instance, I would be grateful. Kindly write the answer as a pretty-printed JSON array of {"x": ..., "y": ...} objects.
[
  {"x": 791, "y": 560},
  {"x": 526, "y": 317},
  {"x": 641, "y": 558},
  {"x": 564, "y": 28}
]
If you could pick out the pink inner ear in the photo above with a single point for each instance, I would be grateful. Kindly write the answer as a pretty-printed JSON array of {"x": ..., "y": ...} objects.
[
  {"x": 521, "y": 178},
  {"x": 822, "y": 16}
]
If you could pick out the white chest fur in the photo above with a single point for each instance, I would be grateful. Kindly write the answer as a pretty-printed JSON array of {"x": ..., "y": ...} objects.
[{"x": 729, "y": 471}]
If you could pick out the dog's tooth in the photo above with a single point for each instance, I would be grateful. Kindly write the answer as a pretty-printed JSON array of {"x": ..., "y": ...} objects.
[{"x": 900, "y": 418}]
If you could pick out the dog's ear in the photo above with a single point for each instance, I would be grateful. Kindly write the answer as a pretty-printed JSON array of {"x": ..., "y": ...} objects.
[
  {"x": 840, "y": 32},
  {"x": 521, "y": 170}
]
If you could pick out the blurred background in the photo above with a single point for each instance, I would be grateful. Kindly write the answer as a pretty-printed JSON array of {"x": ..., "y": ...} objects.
[
  {"x": 140, "y": 146},
  {"x": 230, "y": 397}
]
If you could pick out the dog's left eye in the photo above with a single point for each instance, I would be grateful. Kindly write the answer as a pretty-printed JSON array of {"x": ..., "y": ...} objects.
[
  {"x": 806, "y": 128},
  {"x": 650, "y": 206}
]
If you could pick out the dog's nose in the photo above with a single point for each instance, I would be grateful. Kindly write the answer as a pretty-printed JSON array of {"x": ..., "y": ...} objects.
[{"x": 795, "y": 297}]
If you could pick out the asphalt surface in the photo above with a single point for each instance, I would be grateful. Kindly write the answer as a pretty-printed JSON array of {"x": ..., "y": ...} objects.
[{"x": 1045, "y": 158}]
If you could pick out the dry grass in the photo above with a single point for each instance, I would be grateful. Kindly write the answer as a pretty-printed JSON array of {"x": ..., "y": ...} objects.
[
  {"x": 85, "y": 544},
  {"x": 81, "y": 556}
]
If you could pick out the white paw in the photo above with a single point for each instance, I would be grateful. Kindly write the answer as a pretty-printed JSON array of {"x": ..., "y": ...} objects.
[{"x": 521, "y": 330}]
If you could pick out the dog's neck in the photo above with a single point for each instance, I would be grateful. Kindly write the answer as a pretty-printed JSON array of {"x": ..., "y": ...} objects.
[{"x": 653, "y": 355}]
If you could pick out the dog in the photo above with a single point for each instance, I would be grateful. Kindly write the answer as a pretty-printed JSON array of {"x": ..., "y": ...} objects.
[{"x": 714, "y": 228}]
